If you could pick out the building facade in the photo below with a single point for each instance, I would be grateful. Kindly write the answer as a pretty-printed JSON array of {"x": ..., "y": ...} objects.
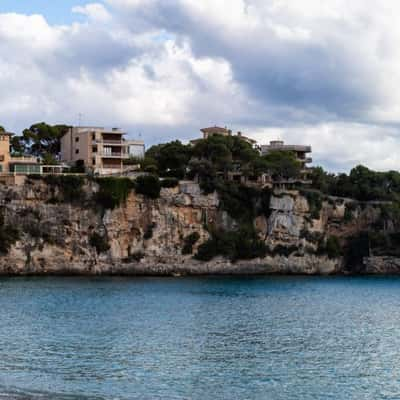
[
  {"x": 101, "y": 150},
  {"x": 301, "y": 152},
  {"x": 12, "y": 164},
  {"x": 4, "y": 151}
]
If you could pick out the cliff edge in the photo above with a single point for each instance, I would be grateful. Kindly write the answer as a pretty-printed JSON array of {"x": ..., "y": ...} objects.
[{"x": 61, "y": 227}]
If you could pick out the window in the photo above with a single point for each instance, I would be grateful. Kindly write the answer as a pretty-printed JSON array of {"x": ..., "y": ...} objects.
[
  {"x": 94, "y": 136},
  {"x": 77, "y": 151},
  {"x": 94, "y": 149},
  {"x": 77, "y": 139},
  {"x": 94, "y": 161}
]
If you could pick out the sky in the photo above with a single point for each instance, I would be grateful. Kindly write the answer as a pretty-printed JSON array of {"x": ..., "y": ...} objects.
[{"x": 323, "y": 73}]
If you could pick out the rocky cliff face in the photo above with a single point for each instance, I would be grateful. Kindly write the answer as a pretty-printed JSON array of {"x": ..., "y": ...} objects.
[{"x": 145, "y": 236}]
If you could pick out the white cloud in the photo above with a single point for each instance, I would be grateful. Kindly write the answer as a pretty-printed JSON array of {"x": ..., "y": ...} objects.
[
  {"x": 315, "y": 72},
  {"x": 95, "y": 11}
]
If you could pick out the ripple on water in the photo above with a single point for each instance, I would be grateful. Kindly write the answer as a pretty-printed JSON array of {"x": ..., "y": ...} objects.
[{"x": 206, "y": 338}]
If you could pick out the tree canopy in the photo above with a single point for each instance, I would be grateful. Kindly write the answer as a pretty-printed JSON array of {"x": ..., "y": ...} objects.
[
  {"x": 215, "y": 157},
  {"x": 40, "y": 140},
  {"x": 282, "y": 165},
  {"x": 168, "y": 159},
  {"x": 362, "y": 184}
]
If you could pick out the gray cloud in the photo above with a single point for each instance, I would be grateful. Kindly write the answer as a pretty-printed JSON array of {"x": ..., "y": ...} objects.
[{"x": 312, "y": 73}]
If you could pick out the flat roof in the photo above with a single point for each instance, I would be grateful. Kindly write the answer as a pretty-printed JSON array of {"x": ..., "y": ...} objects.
[
  {"x": 215, "y": 129},
  {"x": 286, "y": 147}
]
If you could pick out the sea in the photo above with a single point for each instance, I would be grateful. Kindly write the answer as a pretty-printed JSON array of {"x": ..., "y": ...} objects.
[{"x": 208, "y": 338}]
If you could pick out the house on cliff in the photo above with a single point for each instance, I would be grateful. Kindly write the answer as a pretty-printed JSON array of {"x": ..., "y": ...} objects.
[
  {"x": 14, "y": 167},
  {"x": 237, "y": 174},
  {"x": 218, "y": 131},
  {"x": 100, "y": 150},
  {"x": 301, "y": 153}
]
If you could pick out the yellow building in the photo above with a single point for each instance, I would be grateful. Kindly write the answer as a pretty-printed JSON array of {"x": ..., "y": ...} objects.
[
  {"x": 100, "y": 150},
  {"x": 11, "y": 164},
  {"x": 4, "y": 151}
]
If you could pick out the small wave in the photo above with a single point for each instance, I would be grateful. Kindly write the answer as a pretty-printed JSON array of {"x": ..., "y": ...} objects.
[{"x": 19, "y": 394}]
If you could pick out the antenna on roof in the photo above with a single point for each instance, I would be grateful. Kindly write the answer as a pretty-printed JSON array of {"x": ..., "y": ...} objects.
[{"x": 80, "y": 116}]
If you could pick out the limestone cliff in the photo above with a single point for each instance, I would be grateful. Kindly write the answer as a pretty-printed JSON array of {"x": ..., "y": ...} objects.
[{"x": 144, "y": 236}]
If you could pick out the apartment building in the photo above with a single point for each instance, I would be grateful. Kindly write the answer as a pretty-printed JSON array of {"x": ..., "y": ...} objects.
[
  {"x": 301, "y": 152},
  {"x": 101, "y": 150},
  {"x": 218, "y": 131}
]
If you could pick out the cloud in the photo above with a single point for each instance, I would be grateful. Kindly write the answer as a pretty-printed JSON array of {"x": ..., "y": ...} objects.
[
  {"x": 312, "y": 72},
  {"x": 94, "y": 11},
  {"x": 342, "y": 145}
]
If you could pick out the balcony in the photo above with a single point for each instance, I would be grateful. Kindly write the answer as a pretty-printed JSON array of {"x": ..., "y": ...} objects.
[
  {"x": 114, "y": 155},
  {"x": 24, "y": 159},
  {"x": 108, "y": 142}
]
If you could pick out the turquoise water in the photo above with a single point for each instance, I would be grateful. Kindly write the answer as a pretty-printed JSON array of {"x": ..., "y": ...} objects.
[{"x": 208, "y": 338}]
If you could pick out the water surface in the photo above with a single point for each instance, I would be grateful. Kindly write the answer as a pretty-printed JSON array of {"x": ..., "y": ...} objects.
[{"x": 205, "y": 338}]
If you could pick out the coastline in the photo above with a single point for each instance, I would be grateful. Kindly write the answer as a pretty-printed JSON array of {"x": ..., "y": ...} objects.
[{"x": 273, "y": 266}]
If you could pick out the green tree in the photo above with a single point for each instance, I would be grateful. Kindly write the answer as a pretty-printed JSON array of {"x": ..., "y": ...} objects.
[
  {"x": 17, "y": 145},
  {"x": 42, "y": 138},
  {"x": 171, "y": 159},
  {"x": 322, "y": 180},
  {"x": 282, "y": 164},
  {"x": 227, "y": 153},
  {"x": 148, "y": 185}
]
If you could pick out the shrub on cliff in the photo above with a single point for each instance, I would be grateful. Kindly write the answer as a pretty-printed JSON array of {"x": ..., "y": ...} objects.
[
  {"x": 169, "y": 182},
  {"x": 284, "y": 251},
  {"x": 243, "y": 244},
  {"x": 349, "y": 212},
  {"x": 243, "y": 203},
  {"x": 113, "y": 191},
  {"x": 189, "y": 242},
  {"x": 8, "y": 236},
  {"x": 331, "y": 247},
  {"x": 315, "y": 200},
  {"x": 70, "y": 187},
  {"x": 99, "y": 242},
  {"x": 148, "y": 185}
]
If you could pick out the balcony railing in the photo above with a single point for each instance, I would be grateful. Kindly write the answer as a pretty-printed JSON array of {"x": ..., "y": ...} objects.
[
  {"x": 109, "y": 142},
  {"x": 23, "y": 159},
  {"x": 114, "y": 155},
  {"x": 286, "y": 147}
]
